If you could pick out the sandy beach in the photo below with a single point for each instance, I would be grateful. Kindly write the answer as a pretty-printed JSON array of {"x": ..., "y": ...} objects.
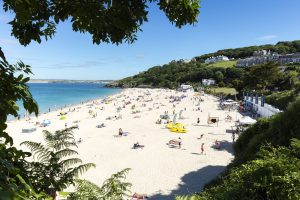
[{"x": 157, "y": 169}]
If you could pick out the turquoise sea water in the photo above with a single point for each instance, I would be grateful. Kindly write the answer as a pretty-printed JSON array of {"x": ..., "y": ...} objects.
[{"x": 57, "y": 95}]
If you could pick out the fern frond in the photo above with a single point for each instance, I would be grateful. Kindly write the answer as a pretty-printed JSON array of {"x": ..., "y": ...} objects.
[
  {"x": 69, "y": 162},
  {"x": 39, "y": 151},
  {"x": 82, "y": 168},
  {"x": 63, "y": 144},
  {"x": 64, "y": 153}
]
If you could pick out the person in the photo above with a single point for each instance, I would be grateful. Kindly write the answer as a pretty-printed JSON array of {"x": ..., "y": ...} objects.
[
  {"x": 233, "y": 137},
  {"x": 198, "y": 121},
  {"x": 120, "y": 132},
  {"x": 136, "y": 145},
  {"x": 202, "y": 148},
  {"x": 201, "y": 136},
  {"x": 179, "y": 143},
  {"x": 217, "y": 145}
]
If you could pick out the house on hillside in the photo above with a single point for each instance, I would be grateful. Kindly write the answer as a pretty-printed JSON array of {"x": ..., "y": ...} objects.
[
  {"x": 185, "y": 88},
  {"x": 208, "y": 82},
  {"x": 259, "y": 57},
  {"x": 216, "y": 59},
  {"x": 289, "y": 58}
]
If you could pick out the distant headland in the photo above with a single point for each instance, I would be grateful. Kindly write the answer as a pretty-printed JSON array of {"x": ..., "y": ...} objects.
[{"x": 69, "y": 81}]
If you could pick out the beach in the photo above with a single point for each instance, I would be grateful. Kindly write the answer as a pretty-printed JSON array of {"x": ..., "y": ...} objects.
[{"x": 158, "y": 170}]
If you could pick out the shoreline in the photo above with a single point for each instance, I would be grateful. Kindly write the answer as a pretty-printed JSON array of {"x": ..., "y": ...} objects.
[{"x": 55, "y": 108}]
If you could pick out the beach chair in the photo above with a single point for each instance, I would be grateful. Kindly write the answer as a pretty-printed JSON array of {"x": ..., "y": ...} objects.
[{"x": 137, "y": 196}]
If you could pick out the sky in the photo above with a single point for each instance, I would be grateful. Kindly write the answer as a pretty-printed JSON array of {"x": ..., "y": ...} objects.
[{"x": 221, "y": 24}]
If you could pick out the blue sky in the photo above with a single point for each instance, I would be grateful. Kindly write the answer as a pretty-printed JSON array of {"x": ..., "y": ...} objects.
[{"x": 222, "y": 24}]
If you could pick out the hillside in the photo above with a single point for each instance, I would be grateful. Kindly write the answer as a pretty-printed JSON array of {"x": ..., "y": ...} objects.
[
  {"x": 280, "y": 47},
  {"x": 225, "y": 73}
]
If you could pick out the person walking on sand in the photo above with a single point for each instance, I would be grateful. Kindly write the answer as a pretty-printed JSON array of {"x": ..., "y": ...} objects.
[
  {"x": 179, "y": 143},
  {"x": 202, "y": 148}
]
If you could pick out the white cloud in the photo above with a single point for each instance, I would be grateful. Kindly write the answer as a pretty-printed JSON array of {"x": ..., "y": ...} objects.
[{"x": 267, "y": 37}]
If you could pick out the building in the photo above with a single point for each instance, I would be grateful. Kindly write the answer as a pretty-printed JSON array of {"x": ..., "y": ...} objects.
[
  {"x": 185, "y": 88},
  {"x": 259, "y": 108},
  {"x": 216, "y": 59},
  {"x": 259, "y": 57},
  {"x": 264, "y": 56},
  {"x": 289, "y": 58},
  {"x": 208, "y": 82}
]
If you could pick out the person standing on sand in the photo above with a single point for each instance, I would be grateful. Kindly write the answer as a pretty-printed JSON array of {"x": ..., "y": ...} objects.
[
  {"x": 198, "y": 121},
  {"x": 202, "y": 148},
  {"x": 179, "y": 143}
]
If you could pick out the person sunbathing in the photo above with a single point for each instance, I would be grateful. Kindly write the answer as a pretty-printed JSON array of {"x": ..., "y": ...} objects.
[
  {"x": 217, "y": 145},
  {"x": 137, "y": 145}
]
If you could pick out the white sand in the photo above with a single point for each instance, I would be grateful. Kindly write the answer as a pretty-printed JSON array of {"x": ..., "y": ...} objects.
[{"x": 156, "y": 170}]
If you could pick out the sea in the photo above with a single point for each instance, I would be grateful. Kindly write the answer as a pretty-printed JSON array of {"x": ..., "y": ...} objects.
[{"x": 54, "y": 96}]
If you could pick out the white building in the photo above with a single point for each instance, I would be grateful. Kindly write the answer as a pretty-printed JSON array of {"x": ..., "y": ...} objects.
[
  {"x": 216, "y": 59},
  {"x": 257, "y": 108},
  {"x": 208, "y": 82},
  {"x": 186, "y": 88}
]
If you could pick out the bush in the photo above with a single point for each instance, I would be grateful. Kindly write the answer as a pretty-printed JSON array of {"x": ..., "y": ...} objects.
[
  {"x": 278, "y": 131},
  {"x": 281, "y": 99}
]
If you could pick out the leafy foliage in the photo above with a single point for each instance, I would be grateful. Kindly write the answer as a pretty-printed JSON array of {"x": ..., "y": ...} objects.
[
  {"x": 113, "y": 188},
  {"x": 13, "y": 88},
  {"x": 282, "y": 99},
  {"x": 54, "y": 167},
  {"x": 106, "y": 20},
  {"x": 262, "y": 76},
  {"x": 85, "y": 190}
]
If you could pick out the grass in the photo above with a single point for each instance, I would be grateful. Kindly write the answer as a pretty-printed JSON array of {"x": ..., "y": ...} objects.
[
  {"x": 223, "y": 64},
  {"x": 225, "y": 90}
]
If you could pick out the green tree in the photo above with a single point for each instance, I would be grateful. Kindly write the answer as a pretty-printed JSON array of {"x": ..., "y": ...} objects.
[
  {"x": 53, "y": 167},
  {"x": 106, "y": 20},
  {"x": 263, "y": 76},
  {"x": 219, "y": 76}
]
